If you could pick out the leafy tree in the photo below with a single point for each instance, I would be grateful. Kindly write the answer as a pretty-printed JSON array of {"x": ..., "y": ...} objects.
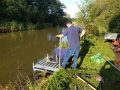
[
  {"x": 33, "y": 12},
  {"x": 102, "y": 13}
]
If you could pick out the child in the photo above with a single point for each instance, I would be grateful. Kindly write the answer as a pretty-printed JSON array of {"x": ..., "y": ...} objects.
[{"x": 55, "y": 54}]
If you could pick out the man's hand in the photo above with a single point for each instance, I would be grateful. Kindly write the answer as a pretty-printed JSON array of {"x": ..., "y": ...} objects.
[
  {"x": 82, "y": 34},
  {"x": 59, "y": 36}
]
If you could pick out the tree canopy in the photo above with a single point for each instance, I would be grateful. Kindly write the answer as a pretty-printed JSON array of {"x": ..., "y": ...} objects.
[
  {"x": 32, "y": 11},
  {"x": 103, "y": 14}
]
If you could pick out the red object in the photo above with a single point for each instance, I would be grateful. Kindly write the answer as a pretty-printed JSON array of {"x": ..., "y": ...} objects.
[
  {"x": 118, "y": 49},
  {"x": 116, "y": 42}
]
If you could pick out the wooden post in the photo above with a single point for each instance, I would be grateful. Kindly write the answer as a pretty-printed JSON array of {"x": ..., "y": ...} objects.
[
  {"x": 33, "y": 67},
  {"x": 59, "y": 51},
  {"x": 86, "y": 83},
  {"x": 47, "y": 57}
]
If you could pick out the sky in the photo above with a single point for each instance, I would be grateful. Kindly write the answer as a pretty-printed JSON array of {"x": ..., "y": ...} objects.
[{"x": 71, "y": 6}]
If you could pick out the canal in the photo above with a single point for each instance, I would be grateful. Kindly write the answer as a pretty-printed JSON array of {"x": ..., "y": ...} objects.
[{"x": 21, "y": 49}]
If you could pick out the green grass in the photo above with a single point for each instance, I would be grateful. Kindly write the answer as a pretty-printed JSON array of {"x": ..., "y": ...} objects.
[
  {"x": 64, "y": 79},
  {"x": 110, "y": 74}
]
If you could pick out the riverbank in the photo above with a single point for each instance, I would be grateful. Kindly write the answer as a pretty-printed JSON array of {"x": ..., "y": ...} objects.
[
  {"x": 64, "y": 78},
  {"x": 88, "y": 70},
  {"x": 14, "y": 26}
]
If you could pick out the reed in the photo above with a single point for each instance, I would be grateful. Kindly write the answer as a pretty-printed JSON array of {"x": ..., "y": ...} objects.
[
  {"x": 13, "y": 25},
  {"x": 20, "y": 26}
]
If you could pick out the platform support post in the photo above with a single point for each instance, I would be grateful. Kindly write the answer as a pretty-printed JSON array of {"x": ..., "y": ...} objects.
[{"x": 59, "y": 51}]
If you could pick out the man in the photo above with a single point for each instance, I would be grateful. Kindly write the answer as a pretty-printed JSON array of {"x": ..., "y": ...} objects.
[{"x": 73, "y": 34}]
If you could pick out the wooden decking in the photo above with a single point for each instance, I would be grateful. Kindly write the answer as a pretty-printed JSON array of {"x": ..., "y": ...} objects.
[{"x": 41, "y": 65}]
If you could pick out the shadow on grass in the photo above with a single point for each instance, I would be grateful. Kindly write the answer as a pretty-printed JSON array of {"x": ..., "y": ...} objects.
[
  {"x": 70, "y": 62},
  {"x": 65, "y": 85},
  {"x": 84, "y": 50},
  {"x": 111, "y": 77}
]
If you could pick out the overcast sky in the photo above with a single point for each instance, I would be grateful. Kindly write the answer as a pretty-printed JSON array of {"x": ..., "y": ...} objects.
[{"x": 71, "y": 6}]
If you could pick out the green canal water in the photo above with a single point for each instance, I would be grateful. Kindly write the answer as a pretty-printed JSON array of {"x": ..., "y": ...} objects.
[{"x": 21, "y": 49}]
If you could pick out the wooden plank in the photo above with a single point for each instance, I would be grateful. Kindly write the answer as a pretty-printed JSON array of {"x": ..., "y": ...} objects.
[{"x": 87, "y": 83}]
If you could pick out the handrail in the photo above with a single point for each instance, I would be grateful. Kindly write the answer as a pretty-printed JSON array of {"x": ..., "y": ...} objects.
[{"x": 59, "y": 50}]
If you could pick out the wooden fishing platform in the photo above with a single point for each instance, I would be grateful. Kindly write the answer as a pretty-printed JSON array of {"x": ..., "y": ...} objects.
[{"x": 50, "y": 67}]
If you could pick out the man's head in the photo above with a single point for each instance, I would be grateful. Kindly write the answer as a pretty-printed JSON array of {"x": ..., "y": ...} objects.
[{"x": 68, "y": 23}]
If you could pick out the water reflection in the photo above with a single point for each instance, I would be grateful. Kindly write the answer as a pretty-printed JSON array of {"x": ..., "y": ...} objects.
[{"x": 60, "y": 30}]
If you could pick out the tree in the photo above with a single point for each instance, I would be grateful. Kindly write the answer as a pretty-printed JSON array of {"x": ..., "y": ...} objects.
[
  {"x": 101, "y": 13},
  {"x": 33, "y": 12}
]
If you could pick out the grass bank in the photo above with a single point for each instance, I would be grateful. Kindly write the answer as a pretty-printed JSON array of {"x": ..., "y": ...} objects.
[
  {"x": 14, "y": 26},
  {"x": 65, "y": 79}
]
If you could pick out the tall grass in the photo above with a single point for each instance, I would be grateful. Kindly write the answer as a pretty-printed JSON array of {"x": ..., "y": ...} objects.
[
  {"x": 9, "y": 86},
  {"x": 5, "y": 27},
  {"x": 20, "y": 26},
  {"x": 16, "y": 26},
  {"x": 13, "y": 25}
]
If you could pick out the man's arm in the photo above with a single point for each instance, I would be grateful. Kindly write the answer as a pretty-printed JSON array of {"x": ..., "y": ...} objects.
[
  {"x": 60, "y": 36},
  {"x": 82, "y": 33}
]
